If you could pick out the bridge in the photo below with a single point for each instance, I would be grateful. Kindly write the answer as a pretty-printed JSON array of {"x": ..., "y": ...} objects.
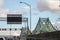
[{"x": 43, "y": 25}]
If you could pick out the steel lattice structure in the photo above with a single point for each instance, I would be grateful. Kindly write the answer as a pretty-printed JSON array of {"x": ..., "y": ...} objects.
[{"x": 43, "y": 25}]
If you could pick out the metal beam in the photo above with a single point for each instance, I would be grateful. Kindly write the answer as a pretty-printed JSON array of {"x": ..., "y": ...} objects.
[{"x": 5, "y": 19}]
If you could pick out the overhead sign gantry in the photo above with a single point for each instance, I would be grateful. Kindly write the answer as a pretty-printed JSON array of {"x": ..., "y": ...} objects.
[{"x": 14, "y": 19}]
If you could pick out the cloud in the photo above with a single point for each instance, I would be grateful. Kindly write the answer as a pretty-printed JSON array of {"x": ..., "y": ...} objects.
[
  {"x": 48, "y": 5},
  {"x": 1, "y": 2},
  {"x": 26, "y": 7},
  {"x": 3, "y": 15},
  {"x": 3, "y": 12}
]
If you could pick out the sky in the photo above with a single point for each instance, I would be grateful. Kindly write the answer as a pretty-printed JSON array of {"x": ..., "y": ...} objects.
[{"x": 14, "y": 7}]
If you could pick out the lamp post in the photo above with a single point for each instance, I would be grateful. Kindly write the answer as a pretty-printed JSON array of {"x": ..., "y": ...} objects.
[{"x": 30, "y": 12}]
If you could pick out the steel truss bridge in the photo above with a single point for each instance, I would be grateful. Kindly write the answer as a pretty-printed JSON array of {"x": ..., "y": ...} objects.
[{"x": 43, "y": 25}]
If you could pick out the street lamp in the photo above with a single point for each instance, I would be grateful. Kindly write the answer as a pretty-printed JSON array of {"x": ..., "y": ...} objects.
[{"x": 30, "y": 12}]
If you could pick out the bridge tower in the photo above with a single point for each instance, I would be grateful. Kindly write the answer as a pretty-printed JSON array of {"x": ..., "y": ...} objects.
[{"x": 43, "y": 25}]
